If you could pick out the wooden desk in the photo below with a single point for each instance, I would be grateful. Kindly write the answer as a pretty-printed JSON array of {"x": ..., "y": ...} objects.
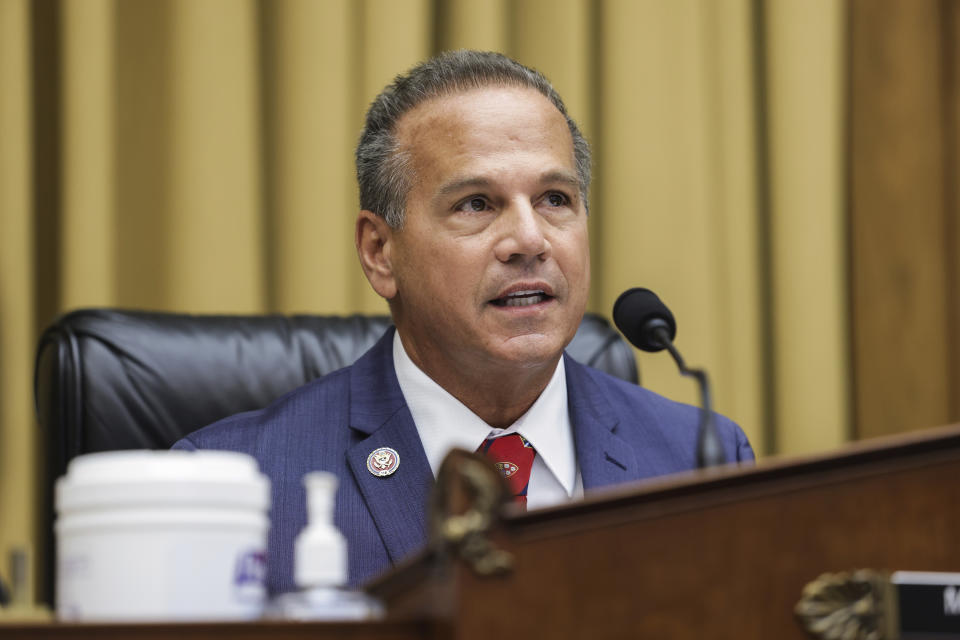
[
  {"x": 720, "y": 554},
  {"x": 408, "y": 630}
]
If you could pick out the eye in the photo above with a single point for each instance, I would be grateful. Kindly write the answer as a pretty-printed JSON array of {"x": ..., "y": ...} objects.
[
  {"x": 474, "y": 205},
  {"x": 555, "y": 199}
]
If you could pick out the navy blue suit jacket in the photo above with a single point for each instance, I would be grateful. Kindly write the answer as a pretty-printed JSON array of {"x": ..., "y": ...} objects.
[{"x": 622, "y": 433}]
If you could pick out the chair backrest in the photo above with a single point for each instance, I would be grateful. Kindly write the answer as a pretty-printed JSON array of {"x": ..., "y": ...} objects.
[{"x": 110, "y": 379}]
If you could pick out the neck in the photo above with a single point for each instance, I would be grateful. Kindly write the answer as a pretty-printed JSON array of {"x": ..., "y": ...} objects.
[
  {"x": 498, "y": 394},
  {"x": 500, "y": 399}
]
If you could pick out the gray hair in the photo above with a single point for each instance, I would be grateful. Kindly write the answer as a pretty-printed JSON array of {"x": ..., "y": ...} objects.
[{"x": 383, "y": 169}]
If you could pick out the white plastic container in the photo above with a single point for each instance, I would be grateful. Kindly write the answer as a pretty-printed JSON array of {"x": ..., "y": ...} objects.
[{"x": 161, "y": 535}]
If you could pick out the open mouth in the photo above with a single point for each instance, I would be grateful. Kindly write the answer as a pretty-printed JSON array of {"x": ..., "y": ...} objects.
[{"x": 522, "y": 298}]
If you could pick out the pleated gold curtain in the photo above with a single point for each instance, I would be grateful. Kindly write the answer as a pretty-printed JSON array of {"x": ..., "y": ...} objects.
[{"x": 196, "y": 155}]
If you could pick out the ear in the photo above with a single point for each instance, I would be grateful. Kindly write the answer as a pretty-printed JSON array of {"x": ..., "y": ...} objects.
[{"x": 374, "y": 239}]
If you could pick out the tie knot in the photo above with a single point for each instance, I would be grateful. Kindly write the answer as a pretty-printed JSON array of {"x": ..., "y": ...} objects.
[{"x": 513, "y": 457}]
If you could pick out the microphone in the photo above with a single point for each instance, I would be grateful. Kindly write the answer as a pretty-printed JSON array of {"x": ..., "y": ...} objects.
[{"x": 648, "y": 324}]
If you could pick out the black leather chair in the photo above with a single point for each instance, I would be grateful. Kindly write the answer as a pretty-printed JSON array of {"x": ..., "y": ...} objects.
[{"x": 110, "y": 379}]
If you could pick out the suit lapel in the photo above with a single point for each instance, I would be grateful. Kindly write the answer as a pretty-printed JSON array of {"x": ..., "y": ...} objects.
[
  {"x": 604, "y": 458},
  {"x": 398, "y": 502},
  {"x": 379, "y": 415}
]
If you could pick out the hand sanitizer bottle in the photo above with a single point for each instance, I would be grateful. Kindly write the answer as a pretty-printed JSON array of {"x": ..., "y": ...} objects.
[{"x": 320, "y": 564}]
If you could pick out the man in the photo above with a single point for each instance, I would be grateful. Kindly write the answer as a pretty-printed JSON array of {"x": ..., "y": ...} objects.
[{"x": 473, "y": 185}]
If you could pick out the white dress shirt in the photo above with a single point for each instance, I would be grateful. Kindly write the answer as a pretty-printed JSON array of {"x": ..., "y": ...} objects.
[{"x": 443, "y": 423}]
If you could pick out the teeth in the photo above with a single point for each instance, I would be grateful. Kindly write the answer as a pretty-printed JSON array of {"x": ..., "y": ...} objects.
[
  {"x": 526, "y": 299},
  {"x": 521, "y": 298}
]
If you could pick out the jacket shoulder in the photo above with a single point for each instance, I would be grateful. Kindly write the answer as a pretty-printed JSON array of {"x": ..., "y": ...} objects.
[
  {"x": 646, "y": 415},
  {"x": 292, "y": 415}
]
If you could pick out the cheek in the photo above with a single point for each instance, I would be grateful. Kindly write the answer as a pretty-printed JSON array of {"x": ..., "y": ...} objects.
[
  {"x": 433, "y": 278},
  {"x": 576, "y": 259},
  {"x": 586, "y": 261},
  {"x": 586, "y": 270}
]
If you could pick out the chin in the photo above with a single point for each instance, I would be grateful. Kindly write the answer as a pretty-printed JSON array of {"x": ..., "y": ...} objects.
[{"x": 531, "y": 351}]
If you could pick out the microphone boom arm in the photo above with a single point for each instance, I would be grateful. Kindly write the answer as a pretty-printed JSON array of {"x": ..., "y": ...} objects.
[{"x": 709, "y": 449}]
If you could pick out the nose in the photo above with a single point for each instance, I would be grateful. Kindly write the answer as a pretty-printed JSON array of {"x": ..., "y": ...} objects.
[{"x": 521, "y": 234}]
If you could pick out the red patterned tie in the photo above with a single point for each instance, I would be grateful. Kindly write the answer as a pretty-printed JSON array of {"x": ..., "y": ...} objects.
[{"x": 513, "y": 456}]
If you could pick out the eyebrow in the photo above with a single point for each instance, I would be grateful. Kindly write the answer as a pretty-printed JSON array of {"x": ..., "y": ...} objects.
[
  {"x": 456, "y": 186},
  {"x": 463, "y": 183},
  {"x": 564, "y": 177}
]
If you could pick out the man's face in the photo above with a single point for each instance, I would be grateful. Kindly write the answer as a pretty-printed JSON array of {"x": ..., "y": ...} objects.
[{"x": 491, "y": 267}]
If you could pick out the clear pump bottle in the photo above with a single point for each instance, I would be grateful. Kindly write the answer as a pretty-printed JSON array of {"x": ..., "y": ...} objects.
[{"x": 320, "y": 564}]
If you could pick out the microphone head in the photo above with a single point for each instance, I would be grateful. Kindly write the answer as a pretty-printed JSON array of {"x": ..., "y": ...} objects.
[{"x": 638, "y": 313}]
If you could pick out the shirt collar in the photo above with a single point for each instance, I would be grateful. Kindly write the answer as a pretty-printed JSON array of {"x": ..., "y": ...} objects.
[{"x": 443, "y": 422}]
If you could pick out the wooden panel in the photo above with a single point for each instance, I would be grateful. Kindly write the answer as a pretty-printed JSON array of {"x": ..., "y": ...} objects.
[
  {"x": 697, "y": 571},
  {"x": 900, "y": 245},
  {"x": 723, "y": 554},
  {"x": 951, "y": 158}
]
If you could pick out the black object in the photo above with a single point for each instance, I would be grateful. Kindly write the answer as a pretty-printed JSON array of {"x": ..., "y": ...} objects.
[
  {"x": 639, "y": 314},
  {"x": 4, "y": 593},
  {"x": 110, "y": 379},
  {"x": 646, "y": 322},
  {"x": 928, "y": 604}
]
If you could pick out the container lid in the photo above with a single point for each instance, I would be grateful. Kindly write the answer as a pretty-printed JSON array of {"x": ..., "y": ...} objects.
[{"x": 144, "y": 479}]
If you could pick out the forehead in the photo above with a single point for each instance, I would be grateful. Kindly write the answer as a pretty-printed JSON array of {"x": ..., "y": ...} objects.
[{"x": 492, "y": 124}]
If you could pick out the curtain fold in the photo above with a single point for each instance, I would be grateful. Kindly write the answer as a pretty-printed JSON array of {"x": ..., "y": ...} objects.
[
  {"x": 473, "y": 24},
  {"x": 678, "y": 179},
  {"x": 203, "y": 162},
  {"x": 215, "y": 210},
  {"x": 807, "y": 224},
  {"x": 17, "y": 332},
  {"x": 310, "y": 116},
  {"x": 88, "y": 241},
  {"x": 394, "y": 35}
]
